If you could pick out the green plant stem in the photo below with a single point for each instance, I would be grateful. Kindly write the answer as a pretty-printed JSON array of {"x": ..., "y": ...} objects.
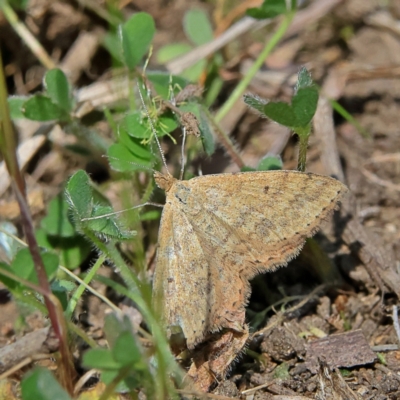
[
  {"x": 84, "y": 285},
  {"x": 301, "y": 166},
  {"x": 112, "y": 253},
  {"x": 347, "y": 116},
  {"x": 26, "y": 36},
  {"x": 109, "y": 390},
  {"x": 239, "y": 90},
  {"x": 303, "y": 133},
  {"x": 82, "y": 334}
]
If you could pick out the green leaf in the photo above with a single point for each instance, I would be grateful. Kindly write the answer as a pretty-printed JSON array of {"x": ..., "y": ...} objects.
[
  {"x": 86, "y": 214},
  {"x": 270, "y": 163},
  {"x": 109, "y": 226},
  {"x": 43, "y": 239},
  {"x": 136, "y": 35},
  {"x": 64, "y": 284},
  {"x": 113, "y": 325},
  {"x": 269, "y": 9},
  {"x": 79, "y": 194},
  {"x": 125, "y": 350},
  {"x": 304, "y": 104},
  {"x": 9, "y": 246},
  {"x": 303, "y": 79},
  {"x": 122, "y": 159},
  {"x": 58, "y": 89},
  {"x": 206, "y": 134},
  {"x": 153, "y": 215},
  {"x": 24, "y": 267},
  {"x": 15, "y": 104},
  {"x": 214, "y": 88},
  {"x": 247, "y": 169},
  {"x": 100, "y": 359},
  {"x": 10, "y": 283},
  {"x": 197, "y": 27},
  {"x": 255, "y": 102},
  {"x": 108, "y": 376},
  {"x": 136, "y": 126},
  {"x": 61, "y": 293},
  {"x": 163, "y": 83},
  {"x": 73, "y": 251},
  {"x": 299, "y": 113},
  {"x": 56, "y": 222},
  {"x": 41, "y": 108},
  {"x": 193, "y": 73},
  {"x": 41, "y": 384},
  {"x": 19, "y": 4},
  {"x": 166, "y": 123},
  {"x": 171, "y": 51},
  {"x": 112, "y": 44},
  {"x": 282, "y": 113}
]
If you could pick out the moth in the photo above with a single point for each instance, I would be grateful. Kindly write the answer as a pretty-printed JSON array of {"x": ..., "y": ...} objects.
[{"x": 218, "y": 231}]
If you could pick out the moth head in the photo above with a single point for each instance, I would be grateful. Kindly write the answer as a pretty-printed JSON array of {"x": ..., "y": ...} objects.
[{"x": 163, "y": 181}]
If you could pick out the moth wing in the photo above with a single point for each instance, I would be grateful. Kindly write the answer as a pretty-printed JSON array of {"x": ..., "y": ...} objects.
[
  {"x": 181, "y": 278},
  {"x": 269, "y": 213},
  {"x": 249, "y": 223},
  {"x": 218, "y": 231}
]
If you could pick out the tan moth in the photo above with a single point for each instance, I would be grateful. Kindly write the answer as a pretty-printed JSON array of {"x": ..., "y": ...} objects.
[{"x": 219, "y": 231}]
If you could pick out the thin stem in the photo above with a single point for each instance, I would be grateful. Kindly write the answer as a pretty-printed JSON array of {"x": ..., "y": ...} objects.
[
  {"x": 27, "y": 37},
  {"x": 239, "y": 90},
  {"x": 111, "y": 252},
  {"x": 226, "y": 141},
  {"x": 84, "y": 285},
  {"x": 109, "y": 390},
  {"x": 82, "y": 334},
  {"x": 304, "y": 134}
]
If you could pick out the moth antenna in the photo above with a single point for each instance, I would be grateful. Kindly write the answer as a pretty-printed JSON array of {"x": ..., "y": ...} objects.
[
  {"x": 183, "y": 154},
  {"x": 148, "y": 203},
  {"x": 154, "y": 131}
]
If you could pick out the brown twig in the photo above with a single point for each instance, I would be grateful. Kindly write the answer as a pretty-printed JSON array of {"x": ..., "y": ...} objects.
[{"x": 226, "y": 142}]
